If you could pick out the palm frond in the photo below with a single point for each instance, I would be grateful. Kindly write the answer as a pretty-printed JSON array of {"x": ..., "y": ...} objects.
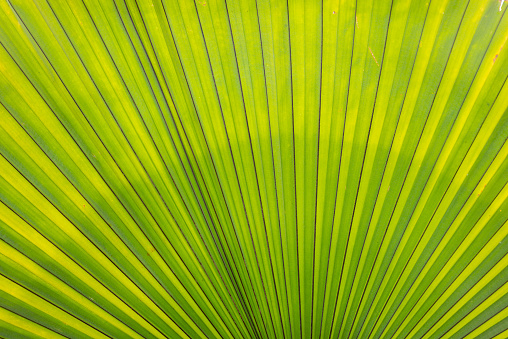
[{"x": 253, "y": 169}]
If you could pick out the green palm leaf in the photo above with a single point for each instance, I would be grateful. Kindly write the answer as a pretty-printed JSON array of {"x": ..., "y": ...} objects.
[{"x": 253, "y": 169}]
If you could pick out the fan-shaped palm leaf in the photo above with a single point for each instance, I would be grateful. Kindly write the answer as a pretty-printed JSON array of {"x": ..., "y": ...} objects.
[{"x": 253, "y": 169}]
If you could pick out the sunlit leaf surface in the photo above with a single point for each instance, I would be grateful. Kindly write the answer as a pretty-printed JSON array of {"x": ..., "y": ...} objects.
[{"x": 253, "y": 169}]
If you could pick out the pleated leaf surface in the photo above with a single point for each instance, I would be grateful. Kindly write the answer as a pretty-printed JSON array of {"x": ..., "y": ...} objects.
[{"x": 253, "y": 169}]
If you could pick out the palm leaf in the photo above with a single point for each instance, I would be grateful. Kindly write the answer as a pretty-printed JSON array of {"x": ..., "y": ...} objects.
[{"x": 253, "y": 169}]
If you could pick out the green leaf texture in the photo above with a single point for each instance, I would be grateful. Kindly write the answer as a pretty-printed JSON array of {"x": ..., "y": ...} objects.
[{"x": 253, "y": 169}]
